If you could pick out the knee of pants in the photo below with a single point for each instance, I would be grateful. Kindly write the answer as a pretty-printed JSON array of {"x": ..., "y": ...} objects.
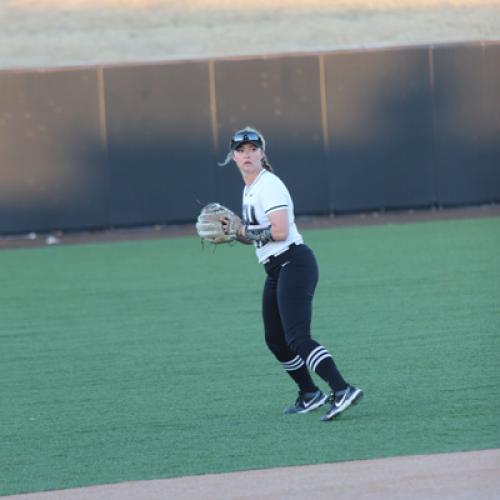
[
  {"x": 303, "y": 346},
  {"x": 280, "y": 351},
  {"x": 295, "y": 338}
]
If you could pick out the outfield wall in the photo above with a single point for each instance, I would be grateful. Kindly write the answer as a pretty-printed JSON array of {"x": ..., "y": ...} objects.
[{"x": 349, "y": 131}]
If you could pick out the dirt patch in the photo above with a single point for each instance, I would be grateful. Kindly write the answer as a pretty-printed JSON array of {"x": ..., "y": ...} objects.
[
  {"x": 460, "y": 476},
  {"x": 34, "y": 240},
  {"x": 50, "y": 33}
]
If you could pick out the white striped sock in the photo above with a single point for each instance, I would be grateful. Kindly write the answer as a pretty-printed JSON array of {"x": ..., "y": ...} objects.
[
  {"x": 293, "y": 364},
  {"x": 316, "y": 356}
]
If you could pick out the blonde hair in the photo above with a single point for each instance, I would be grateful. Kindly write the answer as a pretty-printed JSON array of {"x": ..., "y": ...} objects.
[{"x": 265, "y": 162}]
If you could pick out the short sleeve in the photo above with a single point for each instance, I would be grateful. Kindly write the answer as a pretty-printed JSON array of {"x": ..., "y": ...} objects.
[{"x": 274, "y": 195}]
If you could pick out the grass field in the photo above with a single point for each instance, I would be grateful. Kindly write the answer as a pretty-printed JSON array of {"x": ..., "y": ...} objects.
[{"x": 146, "y": 359}]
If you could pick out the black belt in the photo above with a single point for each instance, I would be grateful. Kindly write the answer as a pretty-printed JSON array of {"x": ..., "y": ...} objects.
[{"x": 271, "y": 259}]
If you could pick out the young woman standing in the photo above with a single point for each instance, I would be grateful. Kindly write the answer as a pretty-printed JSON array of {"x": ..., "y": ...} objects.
[{"x": 291, "y": 278}]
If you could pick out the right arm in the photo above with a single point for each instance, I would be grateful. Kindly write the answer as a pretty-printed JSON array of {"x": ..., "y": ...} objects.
[
  {"x": 241, "y": 238},
  {"x": 241, "y": 231}
]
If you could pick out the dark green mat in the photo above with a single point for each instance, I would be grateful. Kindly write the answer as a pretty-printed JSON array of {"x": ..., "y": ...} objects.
[{"x": 146, "y": 359}]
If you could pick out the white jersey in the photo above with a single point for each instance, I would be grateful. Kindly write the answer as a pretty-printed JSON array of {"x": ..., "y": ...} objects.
[{"x": 265, "y": 195}]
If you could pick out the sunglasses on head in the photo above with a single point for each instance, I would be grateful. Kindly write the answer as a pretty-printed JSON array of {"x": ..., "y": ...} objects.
[{"x": 245, "y": 136}]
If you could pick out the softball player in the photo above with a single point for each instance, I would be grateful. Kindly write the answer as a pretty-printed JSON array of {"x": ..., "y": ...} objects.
[{"x": 292, "y": 275}]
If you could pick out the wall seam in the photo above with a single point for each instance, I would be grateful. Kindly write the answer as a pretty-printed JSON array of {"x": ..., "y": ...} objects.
[
  {"x": 435, "y": 178},
  {"x": 102, "y": 109},
  {"x": 103, "y": 131},
  {"x": 323, "y": 102},
  {"x": 213, "y": 105}
]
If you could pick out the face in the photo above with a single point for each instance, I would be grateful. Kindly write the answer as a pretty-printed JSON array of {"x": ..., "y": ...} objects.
[{"x": 248, "y": 159}]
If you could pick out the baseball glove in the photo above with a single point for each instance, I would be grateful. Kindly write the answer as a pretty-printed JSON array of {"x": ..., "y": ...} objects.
[{"x": 210, "y": 227}]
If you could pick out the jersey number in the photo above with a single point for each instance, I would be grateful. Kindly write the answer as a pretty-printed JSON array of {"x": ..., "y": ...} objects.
[
  {"x": 250, "y": 219},
  {"x": 249, "y": 215}
]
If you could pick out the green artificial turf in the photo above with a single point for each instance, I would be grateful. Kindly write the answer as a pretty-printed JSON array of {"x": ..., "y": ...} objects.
[{"x": 146, "y": 360}]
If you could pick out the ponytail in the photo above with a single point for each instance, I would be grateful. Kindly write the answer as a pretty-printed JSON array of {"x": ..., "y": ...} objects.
[
  {"x": 266, "y": 164},
  {"x": 228, "y": 158}
]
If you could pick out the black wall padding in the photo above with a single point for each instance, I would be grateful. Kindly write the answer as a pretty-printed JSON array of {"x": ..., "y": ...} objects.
[
  {"x": 52, "y": 164},
  {"x": 380, "y": 130},
  {"x": 467, "y": 107},
  {"x": 279, "y": 96},
  {"x": 159, "y": 142},
  {"x": 347, "y": 131}
]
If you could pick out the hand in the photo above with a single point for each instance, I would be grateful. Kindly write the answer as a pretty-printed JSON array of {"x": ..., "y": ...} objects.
[
  {"x": 231, "y": 226},
  {"x": 225, "y": 224}
]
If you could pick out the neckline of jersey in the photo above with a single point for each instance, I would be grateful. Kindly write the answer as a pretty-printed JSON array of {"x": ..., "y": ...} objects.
[{"x": 261, "y": 173}]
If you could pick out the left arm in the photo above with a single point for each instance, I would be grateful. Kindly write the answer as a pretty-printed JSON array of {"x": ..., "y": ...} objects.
[
  {"x": 279, "y": 224},
  {"x": 276, "y": 231}
]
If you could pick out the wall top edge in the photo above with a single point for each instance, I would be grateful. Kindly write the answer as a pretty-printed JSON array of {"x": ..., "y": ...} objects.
[{"x": 268, "y": 56}]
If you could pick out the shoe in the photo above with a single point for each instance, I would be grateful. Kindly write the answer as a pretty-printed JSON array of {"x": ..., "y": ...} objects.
[
  {"x": 341, "y": 402},
  {"x": 307, "y": 401}
]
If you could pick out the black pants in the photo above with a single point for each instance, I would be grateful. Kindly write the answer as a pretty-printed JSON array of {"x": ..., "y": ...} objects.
[
  {"x": 287, "y": 309},
  {"x": 287, "y": 300}
]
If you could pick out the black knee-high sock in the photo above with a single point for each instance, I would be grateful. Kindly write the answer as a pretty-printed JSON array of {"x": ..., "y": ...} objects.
[
  {"x": 297, "y": 369},
  {"x": 319, "y": 360}
]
